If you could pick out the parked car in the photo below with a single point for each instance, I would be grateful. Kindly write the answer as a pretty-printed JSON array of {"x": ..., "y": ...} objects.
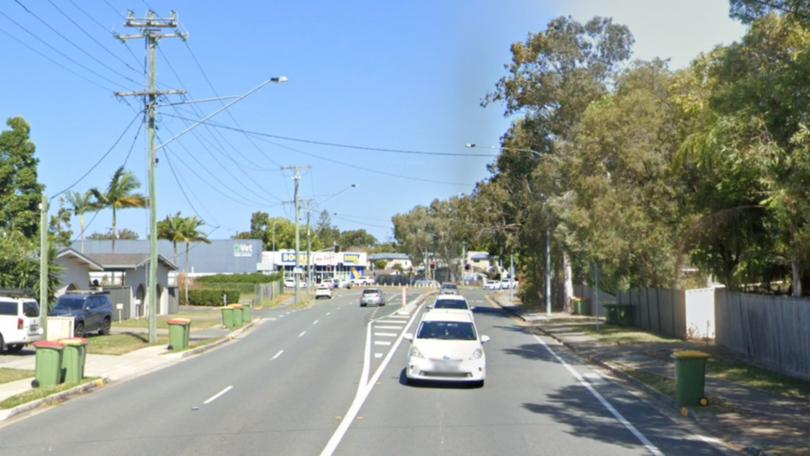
[
  {"x": 323, "y": 291},
  {"x": 341, "y": 283},
  {"x": 492, "y": 285},
  {"x": 19, "y": 322},
  {"x": 372, "y": 296},
  {"x": 449, "y": 288},
  {"x": 450, "y": 303},
  {"x": 289, "y": 282},
  {"x": 91, "y": 311},
  {"x": 446, "y": 347}
]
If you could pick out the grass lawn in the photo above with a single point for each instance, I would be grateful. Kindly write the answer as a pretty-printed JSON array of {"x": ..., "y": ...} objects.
[
  {"x": 275, "y": 302},
  {"x": 118, "y": 344},
  {"x": 754, "y": 377},
  {"x": 663, "y": 385},
  {"x": 619, "y": 335},
  {"x": 10, "y": 375},
  {"x": 38, "y": 393},
  {"x": 203, "y": 318}
]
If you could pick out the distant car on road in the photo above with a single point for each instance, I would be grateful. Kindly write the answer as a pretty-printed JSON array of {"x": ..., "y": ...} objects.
[
  {"x": 19, "y": 322},
  {"x": 446, "y": 347},
  {"x": 449, "y": 288},
  {"x": 90, "y": 311},
  {"x": 372, "y": 296},
  {"x": 323, "y": 291},
  {"x": 450, "y": 303},
  {"x": 492, "y": 285}
]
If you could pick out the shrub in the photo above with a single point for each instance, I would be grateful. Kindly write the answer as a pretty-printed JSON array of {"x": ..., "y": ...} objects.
[
  {"x": 210, "y": 297},
  {"x": 256, "y": 277}
]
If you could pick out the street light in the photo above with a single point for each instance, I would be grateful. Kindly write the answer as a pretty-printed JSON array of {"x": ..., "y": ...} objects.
[
  {"x": 548, "y": 231},
  {"x": 279, "y": 79}
]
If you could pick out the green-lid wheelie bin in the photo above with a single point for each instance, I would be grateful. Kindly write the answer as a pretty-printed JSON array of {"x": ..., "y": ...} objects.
[
  {"x": 237, "y": 315},
  {"x": 179, "y": 330},
  {"x": 227, "y": 317},
  {"x": 247, "y": 313},
  {"x": 690, "y": 374},
  {"x": 74, "y": 356},
  {"x": 48, "y": 363}
]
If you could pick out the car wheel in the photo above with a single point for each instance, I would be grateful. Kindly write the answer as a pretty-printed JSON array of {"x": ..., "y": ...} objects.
[
  {"x": 15, "y": 348},
  {"x": 105, "y": 327},
  {"x": 78, "y": 330}
]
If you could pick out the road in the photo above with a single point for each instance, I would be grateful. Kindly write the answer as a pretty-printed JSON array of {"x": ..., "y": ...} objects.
[{"x": 329, "y": 379}]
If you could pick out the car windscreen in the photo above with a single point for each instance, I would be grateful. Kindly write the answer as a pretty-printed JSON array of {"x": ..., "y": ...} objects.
[
  {"x": 70, "y": 302},
  {"x": 449, "y": 286},
  {"x": 450, "y": 304},
  {"x": 446, "y": 330},
  {"x": 30, "y": 309},
  {"x": 370, "y": 291}
]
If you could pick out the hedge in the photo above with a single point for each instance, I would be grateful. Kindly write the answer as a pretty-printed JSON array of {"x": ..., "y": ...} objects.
[
  {"x": 256, "y": 277},
  {"x": 210, "y": 297},
  {"x": 244, "y": 288}
]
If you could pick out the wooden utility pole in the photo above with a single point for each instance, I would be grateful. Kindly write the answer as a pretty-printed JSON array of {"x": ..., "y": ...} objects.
[
  {"x": 297, "y": 202},
  {"x": 152, "y": 28}
]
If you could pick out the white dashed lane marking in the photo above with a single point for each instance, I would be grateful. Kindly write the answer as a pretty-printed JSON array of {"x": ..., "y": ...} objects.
[
  {"x": 386, "y": 334},
  {"x": 277, "y": 355},
  {"x": 382, "y": 342},
  {"x": 301, "y": 334},
  {"x": 378, "y": 355},
  {"x": 387, "y": 327}
]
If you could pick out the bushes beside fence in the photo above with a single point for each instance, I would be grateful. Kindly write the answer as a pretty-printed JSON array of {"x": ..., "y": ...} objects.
[
  {"x": 210, "y": 297},
  {"x": 254, "y": 278}
]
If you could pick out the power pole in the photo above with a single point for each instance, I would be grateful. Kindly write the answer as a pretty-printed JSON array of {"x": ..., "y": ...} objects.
[
  {"x": 309, "y": 243},
  {"x": 43, "y": 265},
  {"x": 151, "y": 30},
  {"x": 297, "y": 201}
]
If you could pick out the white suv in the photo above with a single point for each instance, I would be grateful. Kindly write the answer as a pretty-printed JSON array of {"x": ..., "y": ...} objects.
[{"x": 19, "y": 322}]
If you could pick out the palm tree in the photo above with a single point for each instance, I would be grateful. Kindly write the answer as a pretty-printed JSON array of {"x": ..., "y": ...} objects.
[
  {"x": 119, "y": 196},
  {"x": 172, "y": 229},
  {"x": 81, "y": 204},
  {"x": 192, "y": 233}
]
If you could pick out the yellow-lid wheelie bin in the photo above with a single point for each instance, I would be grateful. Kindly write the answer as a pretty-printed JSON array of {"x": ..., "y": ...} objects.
[{"x": 74, "y": 356}]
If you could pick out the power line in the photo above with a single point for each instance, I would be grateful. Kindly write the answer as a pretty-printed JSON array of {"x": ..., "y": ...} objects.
[
  {"x": 69, "y": 41},
  {"x": 182, "y": 190},
  {"x": 361, "y": 223},
  {"x": 88, "y": 35},
  {"x": 98, "y": 162},
  {"x": 132, "y": 146},
  {"x": 57, "y": 51},
  {"x": 347, "y": 146},
  {"x": 46, "y": 57}
]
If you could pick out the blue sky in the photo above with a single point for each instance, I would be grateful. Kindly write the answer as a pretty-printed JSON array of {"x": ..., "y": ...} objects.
[{"x": 406, "y": 75}]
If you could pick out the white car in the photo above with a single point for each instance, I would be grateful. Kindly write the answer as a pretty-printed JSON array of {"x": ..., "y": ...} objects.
[
  {"x": 289, "y": 282},
  {"x": 492, "y": 285},
  {"x": 19, "y": 322},
  {"x": 451, "y": 303},
  {"x": 446, "y": 347},
  {"x": 323, "y": 291}
]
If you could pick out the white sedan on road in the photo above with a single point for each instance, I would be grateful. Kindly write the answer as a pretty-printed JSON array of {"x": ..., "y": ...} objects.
[
  {"x": 450, "y": 303},
  {"x": 323, "y": 291},
  {"x": 446, "y": 347}
]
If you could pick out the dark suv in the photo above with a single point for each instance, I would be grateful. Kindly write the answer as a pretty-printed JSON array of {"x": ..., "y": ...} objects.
[{"x": 91, "y": 311}]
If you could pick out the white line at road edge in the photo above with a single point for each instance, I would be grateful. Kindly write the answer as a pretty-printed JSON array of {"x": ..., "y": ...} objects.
[
  {"x": 363, "y": 390},
  {"x": 644, "y": 441},
  {"x": 277, "y": 355},
  {"x": 216, "y": 396}
]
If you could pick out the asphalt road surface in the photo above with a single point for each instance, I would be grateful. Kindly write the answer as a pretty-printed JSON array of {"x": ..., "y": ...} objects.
[{"x": 328, "y": 380}]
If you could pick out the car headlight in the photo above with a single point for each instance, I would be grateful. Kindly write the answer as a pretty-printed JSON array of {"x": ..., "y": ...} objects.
[
  {"x": 415, "y": 353},
  {"x": 477, "y": 354}
]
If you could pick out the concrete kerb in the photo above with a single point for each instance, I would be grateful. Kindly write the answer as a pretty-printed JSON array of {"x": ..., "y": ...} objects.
[
  {"x": 661, "y": 402},
  {"x": 53, "y": 398},
  {"x": 410, "y": 307}
]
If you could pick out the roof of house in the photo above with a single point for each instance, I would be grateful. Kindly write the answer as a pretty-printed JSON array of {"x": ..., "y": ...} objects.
[
  {"x": 92, "y": 264},
  {"x": 389, "y": 256},
  {"x": 126, "y": 260}
]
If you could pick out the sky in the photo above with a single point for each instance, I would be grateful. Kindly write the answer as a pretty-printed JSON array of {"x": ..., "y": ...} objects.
[{"x": 381, "y": 75}]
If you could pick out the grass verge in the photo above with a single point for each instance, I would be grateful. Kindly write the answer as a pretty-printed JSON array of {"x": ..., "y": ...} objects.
[
  {"x": 39, "y": 393},
  {"x": 12, "y": 375},
  {"x": 663, "y": 385},
  {"x": 754, "y": 377},
  {"x": 275, "y": 302},
  {"x": 619, "y": 335},
  {"x": 200, "y": 319},
  {"x": 119, "y": 344}
]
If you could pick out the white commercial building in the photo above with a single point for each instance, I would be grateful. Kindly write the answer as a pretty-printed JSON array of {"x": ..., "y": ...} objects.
[{"x": 325, "y": 265}]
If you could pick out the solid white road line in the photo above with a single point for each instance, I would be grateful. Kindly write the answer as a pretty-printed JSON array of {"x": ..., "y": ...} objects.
[
  {"x": 641, "y": 437},
  {"x": 216, "y": 396},
  {"x": 277, "y": 355},
  {"x": 363, "y": 390},
  {"x": 301, "y": 334},
  {"x": 382, "y": 342},
  {"x": 388, "y": 327},
  {"x": 386, "y": 334}
]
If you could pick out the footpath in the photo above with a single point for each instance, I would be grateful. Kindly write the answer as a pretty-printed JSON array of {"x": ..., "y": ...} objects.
[
  {"x": 115, "y": 368},
  {"x": 751, "y": 411}
]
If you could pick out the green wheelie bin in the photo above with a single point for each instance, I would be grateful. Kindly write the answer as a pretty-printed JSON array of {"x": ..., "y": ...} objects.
[
  {"x": 48, "y": 363},
  {"x": 227, "y": 317},
  {"x": 611, "y": 314},
  {"x": 237, "y": 315},
  {"x": 74, "y": 356},
  {"x": 247, "y": 313},
  {"x": 179, "y": 331},
  {"x": 690, "y": 374}
]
